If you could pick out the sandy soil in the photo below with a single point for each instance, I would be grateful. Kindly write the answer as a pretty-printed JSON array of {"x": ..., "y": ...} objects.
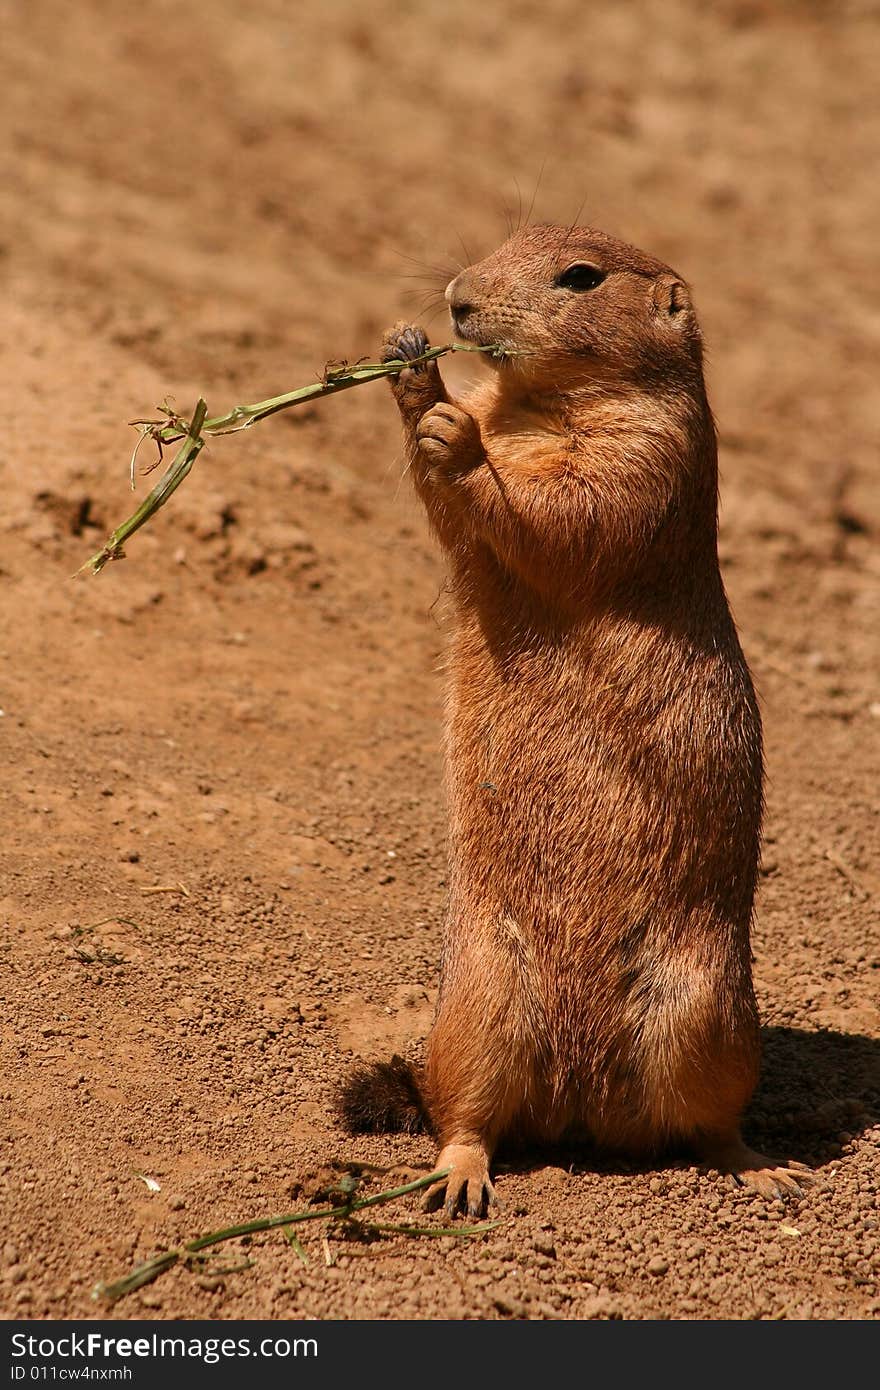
[{"x": 246, "y": 712}]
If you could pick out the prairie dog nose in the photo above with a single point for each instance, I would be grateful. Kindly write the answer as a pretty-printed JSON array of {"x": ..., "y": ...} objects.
[{"x": 457, "y": 298}]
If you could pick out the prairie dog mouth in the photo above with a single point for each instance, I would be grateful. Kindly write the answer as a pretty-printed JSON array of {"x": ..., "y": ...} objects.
[
  {"x": 469, "y": 333},
  {"x": 463, "y": 328}
]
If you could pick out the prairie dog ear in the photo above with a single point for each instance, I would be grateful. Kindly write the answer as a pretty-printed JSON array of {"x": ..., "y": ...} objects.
[{"x": 671, "y": 297}]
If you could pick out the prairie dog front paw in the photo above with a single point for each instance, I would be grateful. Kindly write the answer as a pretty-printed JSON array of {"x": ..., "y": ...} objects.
[
  {"x": 403, "y": 342},
  {"x": 418, "y": 387},
  {"x": 449, "y": 439}
]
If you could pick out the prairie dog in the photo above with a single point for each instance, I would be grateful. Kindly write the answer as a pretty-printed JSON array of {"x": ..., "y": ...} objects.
[{"x": 603, "y": 740}]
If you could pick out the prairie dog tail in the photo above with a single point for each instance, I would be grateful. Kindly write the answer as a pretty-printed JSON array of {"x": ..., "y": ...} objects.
[{"x": 384, "y": 1098}]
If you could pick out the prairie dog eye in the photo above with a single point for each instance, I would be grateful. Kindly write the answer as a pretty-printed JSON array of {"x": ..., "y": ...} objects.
[{"x": 580, "y": 276}]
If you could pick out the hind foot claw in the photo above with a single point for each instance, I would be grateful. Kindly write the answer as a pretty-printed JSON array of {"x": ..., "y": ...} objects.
[
  {"x": 467, "y": 1185},
  {"x": 760, "y": 1174}
]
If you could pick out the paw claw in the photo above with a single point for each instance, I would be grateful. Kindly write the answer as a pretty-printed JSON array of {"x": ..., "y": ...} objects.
[
  {"x": 467, "y": 1187},
  {"x": 446, "y": 434},
  {"x": 433, "y": 1198},
  {"x": 755, "y": 1171},
  {"x": 404, "y": 342}
]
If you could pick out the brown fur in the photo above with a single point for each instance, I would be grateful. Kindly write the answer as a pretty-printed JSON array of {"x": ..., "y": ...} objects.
[{"x": 603, "y": 741}]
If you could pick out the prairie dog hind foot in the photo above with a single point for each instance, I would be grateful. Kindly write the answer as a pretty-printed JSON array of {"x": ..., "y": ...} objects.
[
  {"x": 756, "y": 1171},
  {"x": 467, "y": 1185}
]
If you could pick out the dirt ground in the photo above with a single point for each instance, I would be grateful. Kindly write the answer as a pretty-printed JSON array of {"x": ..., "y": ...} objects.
[{"x": 245, "y": 713}]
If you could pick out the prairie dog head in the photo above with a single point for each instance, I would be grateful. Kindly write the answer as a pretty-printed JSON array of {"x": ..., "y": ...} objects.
[{"x": 573, "y": 308}]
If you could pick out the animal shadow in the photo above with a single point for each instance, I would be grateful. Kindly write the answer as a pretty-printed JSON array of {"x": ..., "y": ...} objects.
[{"x": 818, "y": 1090}]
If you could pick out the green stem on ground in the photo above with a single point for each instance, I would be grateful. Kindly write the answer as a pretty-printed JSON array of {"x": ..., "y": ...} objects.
[
  {"x": 151, "y": 1269},
  {"x": 405, "y": 1230}
]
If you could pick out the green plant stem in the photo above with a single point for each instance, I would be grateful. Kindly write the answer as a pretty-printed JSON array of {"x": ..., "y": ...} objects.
[
  {"x": 151, "y": 1269},
  {"x": 296, "y": 1244},
  {"x": 456, "y": 1231},
  {"x": 241, "y": 417},
  {"x": 268, "y": 1223},
  {"x": 341, "y": 378},
  {"x": 192, "y": 445}
]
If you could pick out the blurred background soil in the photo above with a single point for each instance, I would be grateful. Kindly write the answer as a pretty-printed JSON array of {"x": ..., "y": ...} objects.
[{"x": 244, "y": 715}]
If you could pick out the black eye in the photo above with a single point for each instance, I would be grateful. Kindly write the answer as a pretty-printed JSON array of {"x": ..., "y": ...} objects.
[{"x": 580, "y": 276}]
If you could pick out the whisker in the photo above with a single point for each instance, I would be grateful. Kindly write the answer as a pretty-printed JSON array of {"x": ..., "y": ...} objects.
[
  {"x": 426, "y": 277},
  {"x": 426, "y": 309},
  {"x": 439, "y": 271},
  {"x": 569, "y": 231},
  {"x": 507, "y": 215},
  {"x": 535, "y": 194},
  {"x": 424, "y": 298},
  {"x": 468, "y": 258},
  {"x": 431, "y": 316},
  {"x": 406, "y": 468},
  {"x": 577, "y": 218},
  {"x": 456, "y": 265}
]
